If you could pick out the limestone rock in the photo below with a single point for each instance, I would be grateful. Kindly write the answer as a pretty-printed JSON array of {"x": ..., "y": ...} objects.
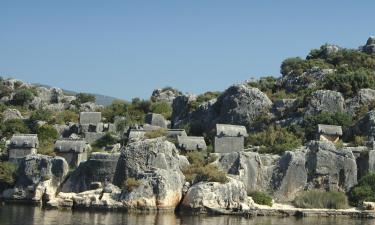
[
  {"x": 165, "y": 95},
  {"x": 213, "y": 197},
  {"x": 364, "y": 97},
  {"x": 100, "y": 167},
  {"x": 242, "y": 105},
  {"x": 370, "y": 45},
  {"x": 155, "y": 163},
  {"x": 38, "y": 176},
  {"x": 10, "y": 114},
  {"x": 325, "y": 101}
]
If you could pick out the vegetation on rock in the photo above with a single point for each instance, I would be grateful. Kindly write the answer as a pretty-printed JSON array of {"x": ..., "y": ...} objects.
[
  {"x": 321, "y": 199},
  {"x": 261, "y": 198}
]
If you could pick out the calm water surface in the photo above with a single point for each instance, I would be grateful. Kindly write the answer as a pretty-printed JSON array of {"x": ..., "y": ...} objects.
[{"x": 28, "y": 215}]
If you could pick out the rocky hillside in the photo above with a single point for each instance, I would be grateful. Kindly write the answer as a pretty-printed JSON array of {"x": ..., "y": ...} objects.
[{"x": 309, "y": 132}]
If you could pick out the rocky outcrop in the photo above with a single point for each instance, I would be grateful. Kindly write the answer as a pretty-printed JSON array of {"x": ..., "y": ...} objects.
[
  {"x": 325, "y": 101},
  {"x": 38, "y": 178},
  {"x": 98, "y": 170},
  {"x": 242, "y": 105},
  {"x": 363, "y": 98},
  {"x": 319, "y": 165},
  {"x": 214, "y": 197},
  {"x": 155, "y": 164},
  {"x": 165, "y": 95},
  {"x": 11, "y": 114},
  {"x": 253, "y": 169},
  {"x": 370, "y": 46},
  {"x": 364, "y": 127},
  {"x": 308, "y": 79},
  {"x": 239, "y": 105}
]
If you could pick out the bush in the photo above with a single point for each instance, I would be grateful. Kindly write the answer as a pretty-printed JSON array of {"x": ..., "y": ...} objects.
[
  {"x": 47, "y": 135},
  {"x": 207, "y": 96},
  {"x": 261, "y": 198},
  {"x": 14, "y": 126},
  {"x": 130, "y": 184},
  {"x": 7, "y": 174},
  {"x": 274, "y": 139},
  {"x": 206, "y": 173},
  {"x": 297, "y": 66},
  {"x": 66, "y": 116},
  {"x": 155, "y": 133},
  {"x": 339, "y": 119},
  {"x": 84, "y": 97},
  {"x": 41, "y": 115},
  {"x": 23, "y": 96},
  {"x": 364, "y": 190},
  {"x": 350, "y": 83},
  {"x": 321, "y": 200},
  {"x": 162, "y": 108},
  {"x": 199, "y": 170},
  {"x": 106, "y": 140},
  {"x": 117, "y": 108}
]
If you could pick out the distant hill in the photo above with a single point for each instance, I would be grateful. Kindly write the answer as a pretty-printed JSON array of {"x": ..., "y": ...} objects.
[{"x": 100, "y": 99}]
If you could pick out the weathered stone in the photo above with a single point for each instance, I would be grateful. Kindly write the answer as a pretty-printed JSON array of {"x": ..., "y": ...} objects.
[
  {"x": 363, "y": 97},
  {"x": 165, "y": 95},
  {"x": 155, "y": 119},
  {"x": 11, "y": 114},
  {"x": 242, "y": 105},
  {"x": 38, "y": 176},
  {"x": 370, "y": 46},
  {"x": 325, "y": 101},
  {"x": 155, "y": 163},
  {"x": 216, "y": 197},
  {"x": 100, "y": 167}
]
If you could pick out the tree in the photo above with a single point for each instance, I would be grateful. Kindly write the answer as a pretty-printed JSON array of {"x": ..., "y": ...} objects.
[{"x": 23, "y": 96}]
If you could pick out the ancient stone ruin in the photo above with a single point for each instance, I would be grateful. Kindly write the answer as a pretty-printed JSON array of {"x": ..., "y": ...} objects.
[
  {"x": 73, "y": 150},
  {"x": 22, "y": 145},
  {"x": 229, "y": 138}
]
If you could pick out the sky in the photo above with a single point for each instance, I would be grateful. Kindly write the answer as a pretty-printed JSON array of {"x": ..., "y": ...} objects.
[{"x": 127, "y": 49}]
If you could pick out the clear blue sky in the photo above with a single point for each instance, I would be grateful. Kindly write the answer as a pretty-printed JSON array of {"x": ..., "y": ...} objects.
[{"x": 128, "y": 48}]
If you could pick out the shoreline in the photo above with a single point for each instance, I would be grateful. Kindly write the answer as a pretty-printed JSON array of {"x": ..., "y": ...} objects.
[{"x": 261, "y": 211}]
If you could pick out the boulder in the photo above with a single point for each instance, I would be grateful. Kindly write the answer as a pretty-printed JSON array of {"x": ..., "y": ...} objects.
[
  {"x": 364, "y": 127},
  {"x": 38, "y": 178},
  {"x": 11, "y": 114},
  {"x": 100, "y": 167},
  {"x": 165, "y": 95},
  {"x": 214, "y": 197},
  {"x": 247, "y": 167},
  {"x": 242, "y": 105},
  {"x": 155, "y": 119},
  {"x": 363, "y": 97},
  {"x": 180, "y": 108},
  {"x": 370, "y": 46},
  {"x": 325, "y": 101},
  {"x": 155, "y": 164}
]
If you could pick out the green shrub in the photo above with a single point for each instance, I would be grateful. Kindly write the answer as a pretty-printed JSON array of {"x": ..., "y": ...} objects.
[
  {"x": 296, "y": 66},
  {"x": 41, "y": 115},
  {"x": 117, "y": 108},
  {"x": 199, "y": 169},
  {"x": 364, "y": 190},
  {"x": 207, "y": 96},
  {"x": 130, "y": 184},
  {"x": 7, "y": 174},
  {"x": 339, "y": 119},
  {"x": 321, "y": 199},
  {"x": 274, "y": 140},
  {"x": 66, "y": 116},
  {"x": 23, "y": 96},
  {"x": 47, "y": 135},
  {"x": 84, "y": 97},
  {"x": 207, "y": 173},
  {"x": 106, "y": 140},
  {"x": 162, "y": 108},
  {"x": 261, "y": 198},
  {"x": 155, "y": 133},
  {"x": 350, "y": 83},
  {"x": 14, "y": 126}
]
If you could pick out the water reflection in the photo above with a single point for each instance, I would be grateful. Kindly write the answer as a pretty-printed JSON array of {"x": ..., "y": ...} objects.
[{"x": 27, "y": 215}]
